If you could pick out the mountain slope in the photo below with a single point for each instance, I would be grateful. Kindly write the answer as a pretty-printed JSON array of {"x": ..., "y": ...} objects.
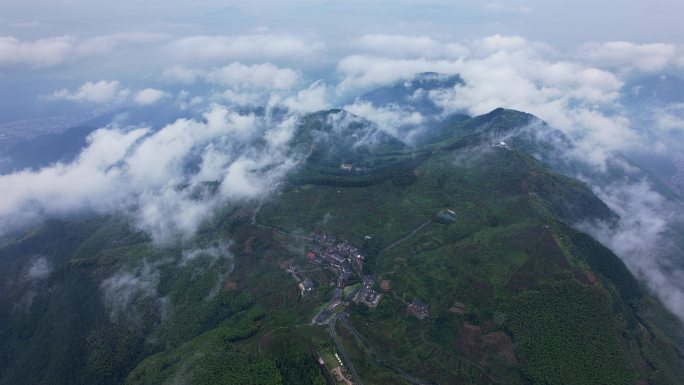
[{"x": 221, "y": 308}]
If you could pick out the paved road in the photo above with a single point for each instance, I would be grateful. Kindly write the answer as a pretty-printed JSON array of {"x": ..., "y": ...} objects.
[
  {"x": 397, "y": 243},
  {"x": 277, "y": 230},
  {"x": 377, "y": 358},
  {"x": 412, "y": 233},
  {"x": 343, "y": 353}
]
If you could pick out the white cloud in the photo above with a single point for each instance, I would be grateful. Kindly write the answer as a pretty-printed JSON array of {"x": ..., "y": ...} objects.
[
  {"x": 509, "y": 72},
  {"x": 60, "y": 189},
  {"x": 123, "y": 289},
  {"x": 108, "y": 43},
  {"x": 394, "y": 120},
  {"x": 258, "y": 48},
  {"x": 100, "y": 92},
  {"x": 182, "y": 74},
  {"x": 58, "y": 50},
  {"x": 257, "y": 85},
  {"x": 149, "y": 96},
  {"x": 498, "y": 42},
  {"x": 363, "y": 71},
  {"x": 645, "y": 57},
  {"x": 238, "y": 76},
  {"x": 409, "y": 46},
  {"x": 513, "y": 73},
  {"x": 140, "y": 172},
  {"x": 40, "y": 53},
  {"x": 109, "y": 92},
  {"x": 310, "y": 99},
  {"x": 240, "y": 97},
  {"x": 264, "y": 75},
  {"x": 640, "y": 238},
  {"x": 39, "y": 269}
]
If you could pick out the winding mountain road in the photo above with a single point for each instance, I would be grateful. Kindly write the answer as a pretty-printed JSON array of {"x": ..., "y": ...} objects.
[
  {"x": 366, "y": 346},
  {"x": 345, "y": 357}
]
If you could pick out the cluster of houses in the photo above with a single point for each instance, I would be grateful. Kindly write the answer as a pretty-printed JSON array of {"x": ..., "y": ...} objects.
[
  {"x": 306, "y": 285},
  {"x": 348, "y": 167},
  {"x": 418, "y": 308},
  {"x": 337, "y": 254},
  {"x": 366, "y": 294},
  {"x": 343, "y": 258}
]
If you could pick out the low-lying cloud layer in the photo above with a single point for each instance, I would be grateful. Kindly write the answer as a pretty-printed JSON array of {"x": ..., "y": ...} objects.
[
  {"x": 58, "y": 50},
  {"x": 125, "y": 288},
  {"x": 645, "y": 57},
  {"x": 157, "y": 175},
  {"x": 237, "y": 75},
  {"x": 218, "y": 48},
  {"x": 136, "y": 289},
  {"x": 99, "y": 92},
  {"x": 640, "y": 238}
]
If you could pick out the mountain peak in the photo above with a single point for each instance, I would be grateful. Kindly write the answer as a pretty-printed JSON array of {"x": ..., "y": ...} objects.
[{"x": 412, "y": 93}]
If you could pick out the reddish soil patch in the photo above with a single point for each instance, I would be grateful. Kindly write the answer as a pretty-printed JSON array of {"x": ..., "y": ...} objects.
[
  {"x": 339, "y": 377},
  {"x": 230, "y": 285},
  {"x": 591, "y": 277},
  {"x": 385, "y": 284},
  {"x": 546, "y": 259},
  {"x": 585, "y": 277},
  {"x": 466, "y": 342},
  {"x": 526, "y": 186},
  {"x": 458, "y": 308},
  {"x": 523, "y": 278},
  {"x": 500, "y": 343}
]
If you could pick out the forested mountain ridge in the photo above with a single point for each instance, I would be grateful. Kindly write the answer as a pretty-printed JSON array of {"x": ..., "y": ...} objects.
[{"x": 513, "y": 292}]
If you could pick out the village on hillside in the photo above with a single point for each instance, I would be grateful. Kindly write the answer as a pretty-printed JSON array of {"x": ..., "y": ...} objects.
[{"x": 345, "y": 261}]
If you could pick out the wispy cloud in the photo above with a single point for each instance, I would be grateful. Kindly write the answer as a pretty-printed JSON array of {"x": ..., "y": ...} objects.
[
  {"x": 209, "y": 49},
  {"x": 645, "y": 57},
  {"x": 100, "y": 92},
  {"x": 238, "y": 76},
  {"x": 149, "y": 96},
  {"x": 58, "y": 50},
  {"x": 141, "y": 171}
]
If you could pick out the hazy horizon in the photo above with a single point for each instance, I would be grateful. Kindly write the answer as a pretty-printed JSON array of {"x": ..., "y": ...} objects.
[{"x": 46, "y": 47}]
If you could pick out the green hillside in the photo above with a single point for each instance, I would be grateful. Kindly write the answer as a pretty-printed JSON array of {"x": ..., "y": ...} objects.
[{"x": 514, "y": 294}]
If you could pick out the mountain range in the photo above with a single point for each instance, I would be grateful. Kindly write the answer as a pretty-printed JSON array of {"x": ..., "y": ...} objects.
[{"x": 466, "y": 256}]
